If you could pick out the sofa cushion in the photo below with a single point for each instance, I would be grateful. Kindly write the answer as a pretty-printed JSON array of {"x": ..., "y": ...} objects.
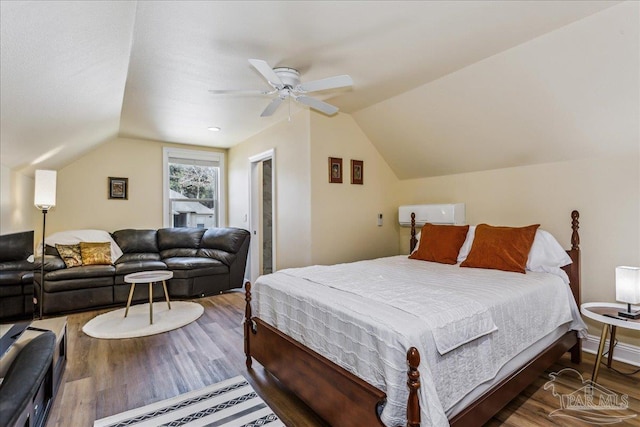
[
  {"x": 85, "y": 271},
  {"x": 136, "y": 241},
  {"x": 10, "y": 277},
  {"x": 9, "y": 289},
  {"x": 225, "y": 239},
  {"x": 123, "y": 268},
  {"x": 16, "y": 246},
  {"x": 86, "y": 286},
  {"x": 138, "y": 257},
  {"x": 179, "y": 241},
  {"x": 51, "y": 263},
  {"x": 184, "y": 267},
  {"x": 27, "y": 277},
  {"x": 25, "y": 375},
  {"x": 21, "y": 265},
  {"x": 223, "y": 256},
  {"x": 178, "y": 252}
]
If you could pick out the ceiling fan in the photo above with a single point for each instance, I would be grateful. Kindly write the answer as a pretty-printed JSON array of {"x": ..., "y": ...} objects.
[{"x": 285, "y": 82}]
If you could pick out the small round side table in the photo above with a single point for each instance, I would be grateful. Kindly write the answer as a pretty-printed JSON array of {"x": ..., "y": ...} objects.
[
  {"x": 148, "y": 277},
  {"x": 602, "y": 312}
]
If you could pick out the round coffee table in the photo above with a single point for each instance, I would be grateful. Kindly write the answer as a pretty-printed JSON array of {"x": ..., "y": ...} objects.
[{"x": 149, "y": 277}]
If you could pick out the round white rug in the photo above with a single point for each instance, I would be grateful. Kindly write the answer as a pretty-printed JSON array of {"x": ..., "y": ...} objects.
[{"x": 113, "y": 325}]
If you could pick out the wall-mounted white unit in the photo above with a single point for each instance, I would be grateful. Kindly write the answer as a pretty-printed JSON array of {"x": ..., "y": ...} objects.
[{"x": 451, "y": 213}]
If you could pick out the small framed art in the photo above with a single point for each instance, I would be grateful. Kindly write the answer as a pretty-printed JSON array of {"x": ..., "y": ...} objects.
[
  {"x": 335, "y": 170},
  {"x": 357, "y": 171},
  {"x": 119, "y": 188}
]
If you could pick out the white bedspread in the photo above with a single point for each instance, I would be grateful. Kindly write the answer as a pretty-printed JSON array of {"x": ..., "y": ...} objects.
[{"x": 365, "y": 315}]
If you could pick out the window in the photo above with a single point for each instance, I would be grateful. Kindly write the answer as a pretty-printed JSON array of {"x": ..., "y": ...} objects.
[{"x": 193, "y": 188}]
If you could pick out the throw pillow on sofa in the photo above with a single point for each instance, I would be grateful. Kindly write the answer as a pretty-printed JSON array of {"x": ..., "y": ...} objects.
[
  {"x": 72, "y": 237},
  {"x": 95, "y": 253},
  {"x": 70, "y": 254}
]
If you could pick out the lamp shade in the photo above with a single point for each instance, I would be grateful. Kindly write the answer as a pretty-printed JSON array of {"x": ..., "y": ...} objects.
[
  {"x": 628, "y": 284},
  {"x": 45, "y": 191}
]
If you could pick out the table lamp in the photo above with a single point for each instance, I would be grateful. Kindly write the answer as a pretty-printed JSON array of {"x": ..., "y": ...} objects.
[{"x": 628, "y": 289}]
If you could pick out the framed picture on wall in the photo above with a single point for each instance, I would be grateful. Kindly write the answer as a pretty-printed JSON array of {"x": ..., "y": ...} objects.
[
  {"x": 357, "y": 171},
  {"x": 118, "y": 188},
  {"x": 335, "y": 170}
]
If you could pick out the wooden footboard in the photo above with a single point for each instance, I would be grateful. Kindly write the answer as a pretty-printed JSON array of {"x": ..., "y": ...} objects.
[
  {"x": 339, "y": 397},
  {"x": 332, "y": 392},
  {"x": 344, "y": 400}
]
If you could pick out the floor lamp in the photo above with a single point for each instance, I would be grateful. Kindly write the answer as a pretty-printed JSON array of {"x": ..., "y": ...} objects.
[{"x": 44, "y": 198}]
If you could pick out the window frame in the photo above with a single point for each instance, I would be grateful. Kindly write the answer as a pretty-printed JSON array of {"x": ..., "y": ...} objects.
[{"x": 189, "y": 154}]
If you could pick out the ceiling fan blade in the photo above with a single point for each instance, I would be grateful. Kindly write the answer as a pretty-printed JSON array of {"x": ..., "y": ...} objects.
[
  {"x": 272, "y": 107},
  {"x": 267, "y": 72},
  {"x": 241, "y": 92},
  {"x": 316, "y": 104},
  {"x": 328, "y": 83}
]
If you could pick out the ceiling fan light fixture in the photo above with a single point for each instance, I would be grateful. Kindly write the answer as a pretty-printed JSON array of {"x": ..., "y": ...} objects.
[{"x": 285, "y": 82}]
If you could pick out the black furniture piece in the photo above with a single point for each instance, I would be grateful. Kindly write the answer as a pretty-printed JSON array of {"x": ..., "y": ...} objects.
[
  {"x": 16, "y": 276},
  {"x": 203, "y": 261},
  {"x": 28, "y": 389}
]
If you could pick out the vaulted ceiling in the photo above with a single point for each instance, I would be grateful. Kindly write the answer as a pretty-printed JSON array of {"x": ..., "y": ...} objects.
[{"x": 76, "y": 74}]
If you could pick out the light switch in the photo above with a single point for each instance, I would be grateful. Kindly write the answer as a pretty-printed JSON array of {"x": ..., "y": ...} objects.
[{"x": 379, "y": 220}]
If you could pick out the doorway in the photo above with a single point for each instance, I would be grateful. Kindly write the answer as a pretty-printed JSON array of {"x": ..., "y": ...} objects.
[{"x": 262, "y": 182}]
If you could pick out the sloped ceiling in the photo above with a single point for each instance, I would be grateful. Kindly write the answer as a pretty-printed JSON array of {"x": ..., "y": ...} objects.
[
  {"x": 75, "y": 74},
  {"x": 570, "y": 94}
]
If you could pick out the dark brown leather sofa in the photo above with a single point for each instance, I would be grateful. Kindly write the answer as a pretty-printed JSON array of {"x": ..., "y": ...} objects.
[
  {"x": 203, "y": 261},
  {"x": 16, "y": 276},
  {"x": 27, "y": 391}
]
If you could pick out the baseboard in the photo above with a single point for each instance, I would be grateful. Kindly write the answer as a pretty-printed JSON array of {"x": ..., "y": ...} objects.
[{"x": 625, "y": 353}]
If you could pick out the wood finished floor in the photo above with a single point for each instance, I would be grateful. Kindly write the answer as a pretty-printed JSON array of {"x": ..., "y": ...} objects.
[{"x": 105, "y": 377}]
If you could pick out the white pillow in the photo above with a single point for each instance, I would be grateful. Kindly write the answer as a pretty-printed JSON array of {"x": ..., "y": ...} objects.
[
  {"x": 417, "y": 242},
  {"x": 546, "y": 254},
  {"x": 73, "y": 237},
  {"x": 466, "y": 246}
]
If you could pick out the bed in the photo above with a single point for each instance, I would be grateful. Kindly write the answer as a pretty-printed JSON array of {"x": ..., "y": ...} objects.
[{"x": 351, "y": 348}]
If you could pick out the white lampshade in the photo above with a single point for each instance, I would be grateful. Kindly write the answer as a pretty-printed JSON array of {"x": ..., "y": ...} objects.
[
  {"x": 628, "y": 284},
  {"x": 45, "y": 191}
]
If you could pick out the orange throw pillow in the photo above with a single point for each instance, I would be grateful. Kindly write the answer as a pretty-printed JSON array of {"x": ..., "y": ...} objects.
[
  {"x": 440, "y": 243},
  {"x": 501, "y": 248}
]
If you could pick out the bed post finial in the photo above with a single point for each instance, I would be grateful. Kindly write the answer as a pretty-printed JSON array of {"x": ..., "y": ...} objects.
[
  {"x": 247, "y": 323},
  {"x": 413, "y": 381},
  {"x": 413, "y": 242},
  {"x": 575, "y": 224}
]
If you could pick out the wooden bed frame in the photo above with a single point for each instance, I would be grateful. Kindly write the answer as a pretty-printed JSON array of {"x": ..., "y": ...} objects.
[{"x": 344, "y": 400}]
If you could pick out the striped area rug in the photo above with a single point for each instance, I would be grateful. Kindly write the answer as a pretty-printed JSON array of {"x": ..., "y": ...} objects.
[{"x": 230, "y": 403}]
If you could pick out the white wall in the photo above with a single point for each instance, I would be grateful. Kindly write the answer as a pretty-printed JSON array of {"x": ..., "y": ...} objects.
[
  {"x": 292, "y": 214},
  {"x": 344, "y": 216},
  {"x": 17, "y": 212},
  {"x": 83, "y": 187},
  {"x": 317, "y": 222}
]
